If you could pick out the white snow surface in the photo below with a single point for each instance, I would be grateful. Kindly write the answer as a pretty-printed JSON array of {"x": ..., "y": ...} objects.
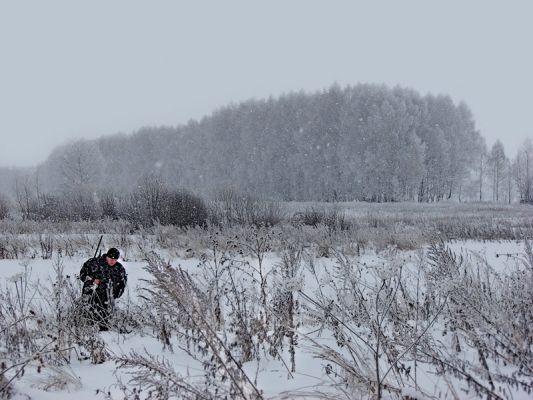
[{"x": 272, "y": 377}]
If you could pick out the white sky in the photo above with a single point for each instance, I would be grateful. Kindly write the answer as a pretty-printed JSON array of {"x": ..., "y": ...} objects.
[{"x": 72, "y": 69}]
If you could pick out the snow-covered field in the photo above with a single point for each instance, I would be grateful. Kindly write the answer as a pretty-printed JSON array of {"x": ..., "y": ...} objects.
[{"x": 328, "y": 343}]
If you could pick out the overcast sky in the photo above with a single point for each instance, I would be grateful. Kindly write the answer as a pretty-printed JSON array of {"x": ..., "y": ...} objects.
[{"x": 83, "y": 69}]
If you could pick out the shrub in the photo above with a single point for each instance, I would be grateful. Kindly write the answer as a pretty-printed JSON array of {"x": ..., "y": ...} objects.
[
  {"x": 183, "y": 209},
  {"x": 234, "y": 208},
  {"x": 333, "y": 219}
]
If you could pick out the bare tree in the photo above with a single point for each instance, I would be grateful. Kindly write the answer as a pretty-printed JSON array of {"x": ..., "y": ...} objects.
[
  {"x": 523, "y": 171},
  {"x": 5, "y": 206},
  {"x": 146, "y": 203},
  {"x": 25, "y": 197},
  {"x": 497, "y": 159}
]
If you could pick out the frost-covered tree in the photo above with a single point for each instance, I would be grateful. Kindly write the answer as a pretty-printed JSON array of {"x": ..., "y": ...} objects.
[
  {"x": 497, "y": 161},
  {"x": 523, "y": 171},
  {"x": 75, "y": 172},
  {"x": 5, "y": 206},
  {"x": 27, "y": 195},
  {"x": 481, "y": 166},
  {"x": 146, "y": 202}
]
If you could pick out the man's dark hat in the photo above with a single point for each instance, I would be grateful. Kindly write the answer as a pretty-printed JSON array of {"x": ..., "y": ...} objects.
[{"x": 113, "y": 253}]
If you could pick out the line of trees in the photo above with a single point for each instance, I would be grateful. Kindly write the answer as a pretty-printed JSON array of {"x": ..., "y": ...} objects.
[
  {"x": 502, "y": 179},
  {"x": 365, "y": 142}
]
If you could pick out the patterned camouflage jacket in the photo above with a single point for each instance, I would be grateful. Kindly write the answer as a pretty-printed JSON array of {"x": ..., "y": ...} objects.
[{"x": 111, "y": 278}]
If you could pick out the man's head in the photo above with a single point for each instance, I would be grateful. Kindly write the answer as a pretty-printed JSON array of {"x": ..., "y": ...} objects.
[{"x": 112, "y": 256}]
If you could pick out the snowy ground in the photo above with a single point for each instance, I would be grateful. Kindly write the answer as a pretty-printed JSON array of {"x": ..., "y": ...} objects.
[{"x": 272, "y": 378}]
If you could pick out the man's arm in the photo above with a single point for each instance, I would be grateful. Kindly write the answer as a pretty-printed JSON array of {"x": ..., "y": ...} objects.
[{"x": 89, "y": 271}]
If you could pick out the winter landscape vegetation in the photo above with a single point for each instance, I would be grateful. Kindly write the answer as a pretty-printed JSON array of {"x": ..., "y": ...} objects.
[{"x": 358, "y": 242}]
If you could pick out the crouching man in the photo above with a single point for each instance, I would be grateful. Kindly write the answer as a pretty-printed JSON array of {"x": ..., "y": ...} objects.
[{"x": 104, "y": 279}]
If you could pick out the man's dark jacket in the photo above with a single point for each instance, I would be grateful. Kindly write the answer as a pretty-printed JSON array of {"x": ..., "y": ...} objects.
[{"x": 112, "y": 278}]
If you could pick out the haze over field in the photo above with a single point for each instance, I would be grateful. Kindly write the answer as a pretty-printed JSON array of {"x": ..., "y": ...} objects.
[{"x": 73, "y": 70}]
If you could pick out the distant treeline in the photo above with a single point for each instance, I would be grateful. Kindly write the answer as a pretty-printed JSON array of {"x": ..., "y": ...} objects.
[{"x": 365, "y": 142}]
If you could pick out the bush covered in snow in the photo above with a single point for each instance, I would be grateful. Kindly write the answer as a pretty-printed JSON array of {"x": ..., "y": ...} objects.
[{"x": 372, "y": 309}]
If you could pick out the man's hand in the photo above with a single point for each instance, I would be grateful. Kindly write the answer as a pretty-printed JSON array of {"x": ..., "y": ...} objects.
[{"x": 96, "y": 281}]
